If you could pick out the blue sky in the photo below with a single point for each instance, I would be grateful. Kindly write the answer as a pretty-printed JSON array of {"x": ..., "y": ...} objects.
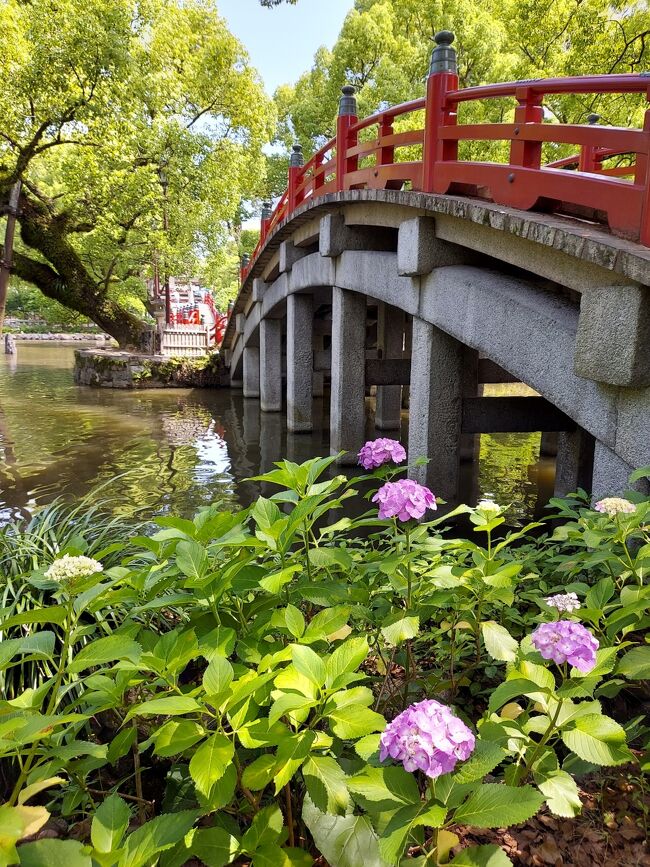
[{"x": 282, "y": 41}]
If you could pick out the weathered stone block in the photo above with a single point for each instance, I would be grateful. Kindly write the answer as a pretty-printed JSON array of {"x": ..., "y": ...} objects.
[
  {"x": 259, "y": 288},
  {"x": 419, "y": 251},
  {"x": 613, "y": 340}
]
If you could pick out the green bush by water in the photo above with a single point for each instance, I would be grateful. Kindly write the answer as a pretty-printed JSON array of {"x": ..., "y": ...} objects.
[{"x": 218, "y": 690}]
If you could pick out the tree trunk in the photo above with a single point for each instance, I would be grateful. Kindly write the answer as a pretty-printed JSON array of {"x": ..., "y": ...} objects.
[{"x": 65, "y": 278}]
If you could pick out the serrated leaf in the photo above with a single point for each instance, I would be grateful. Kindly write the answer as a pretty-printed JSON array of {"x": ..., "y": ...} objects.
[
  {"x": 510, "y": 689},
  {"x": 295, "y": 621},
  {"x": 288, "y": 703},
  {"x": 274, "y": 582},
  {"x": 481, "y": 856},
  {"x": 326, "y": 784},
  {"x": 635, "y": 665},
  {"x": 492, "y": 805},
  {"x": 400, "y": 627},
  {"x": 498, "y": 642},
  {"x": 344, "y": 841},
  {"x": 103, "y": 650},
  {"x": 347, "y": 658},
  {"x": 176, "y": 736},
  {"x": 309, "y": 664},
  {"x": 109, "y": 824},
  {"x": 355, "y": 722},
  {"x": 485, "y": 758},
  {"x": 171, "y": 705},
  {"x": 215, "y": 847},
  {"x": 260, "y": 772},
  {"x": 72, "y": 853},
  {"x": 191, "y": 559},
  {"x": 209, "y": 762},
  {"x": 561, "y": 793},
  {"x": 218, "y": 676},
  {"x": 383, "y": 789},
  {"x": 598, "y": 739},
  {"x": 291, "y": 753},
  {"x": 266, "y": 828},
  {"x": 326, "y": 622},
  {"x": 155, "y": 836},
  {"x": 288, "y": 856}
]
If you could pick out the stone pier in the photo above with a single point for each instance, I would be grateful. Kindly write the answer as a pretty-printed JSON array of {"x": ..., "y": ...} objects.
[
  {"x": 348, "y": 406},
  {"x": 300, "y": 362}
]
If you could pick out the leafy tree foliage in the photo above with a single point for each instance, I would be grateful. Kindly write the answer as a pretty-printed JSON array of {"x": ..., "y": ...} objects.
[
  {"x": 385, "y": 45},
  {"x": 119, "y": 118}
]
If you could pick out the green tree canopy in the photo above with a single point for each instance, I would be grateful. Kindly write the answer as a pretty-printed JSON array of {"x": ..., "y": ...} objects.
[
  {"x": 384, "y": 49},
  {"x": 114, "y": 115}
]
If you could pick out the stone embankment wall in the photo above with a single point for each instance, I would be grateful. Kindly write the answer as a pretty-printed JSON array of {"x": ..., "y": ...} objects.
[
  {"x": 62, "y": 336},
  {"x": 114, "y": 369}
]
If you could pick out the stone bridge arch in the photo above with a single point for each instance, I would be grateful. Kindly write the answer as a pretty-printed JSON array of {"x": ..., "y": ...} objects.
[{"x": 488, "y": 292}]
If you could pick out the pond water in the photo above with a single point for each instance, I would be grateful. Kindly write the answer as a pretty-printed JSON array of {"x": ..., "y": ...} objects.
[{"x": 175, "y": 450}]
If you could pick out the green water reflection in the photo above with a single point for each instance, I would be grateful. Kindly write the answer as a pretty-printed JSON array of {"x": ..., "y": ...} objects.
[{"x": 175, "y": 450}]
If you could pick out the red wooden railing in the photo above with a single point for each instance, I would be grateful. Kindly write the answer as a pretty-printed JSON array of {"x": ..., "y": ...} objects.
[{"x": 362, "y": 155}]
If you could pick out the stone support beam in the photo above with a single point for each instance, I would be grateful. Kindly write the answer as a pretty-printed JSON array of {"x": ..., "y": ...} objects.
[
  {"x": 613, "y": 340},
  {"x": 574, "y": 462},
  {"x": 300, "y": 314},
  {"x": 271, "y": 365},
  {"x": 251, "y": 365},
  {"x": 419, "y": 251},
  {"x": 336, "y": 237},
  {"x": 347, "y": 407},
  {"x": 610, "y": 475},
  {"x": 435, "y": 408},
  {"x": 390, "y": 343},
  {"x": 290, "y": 254}
]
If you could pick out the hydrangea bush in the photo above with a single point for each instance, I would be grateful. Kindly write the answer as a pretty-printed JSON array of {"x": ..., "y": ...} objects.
[{"x": 299, "y": 691}]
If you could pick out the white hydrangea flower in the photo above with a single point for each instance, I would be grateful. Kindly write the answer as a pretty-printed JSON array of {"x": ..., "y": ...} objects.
[
  {"x": 489, "y": 507},
  {"x": 564, "y": 602},
  {"x": 615, "y": 505},
  {"x": 68, "y": 569}
]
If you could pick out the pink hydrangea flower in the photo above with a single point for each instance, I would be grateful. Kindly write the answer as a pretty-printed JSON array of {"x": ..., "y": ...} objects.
[
  {"x": 381, "y": 451},
  {"x": 404, "y": 499},
  {"x": 427, "y": 736},
  {"x": 615, "y": 506},
  {"x": 566, "y": 641}
]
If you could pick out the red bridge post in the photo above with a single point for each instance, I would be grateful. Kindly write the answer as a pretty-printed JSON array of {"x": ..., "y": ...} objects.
[
  {"x": 529, "y": 110},
  {"x": 642, "y": 176},
  {"x": 588, "y": 161},
  {"x": 443, "y": 78},
  {"x": 296, "y": 162},
  {"x": 344, "y": 138},
  {"x": 267, "y": 213}
]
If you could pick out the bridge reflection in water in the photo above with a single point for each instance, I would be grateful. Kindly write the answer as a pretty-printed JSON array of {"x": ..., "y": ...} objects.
[{"x": 177, "y": 450}]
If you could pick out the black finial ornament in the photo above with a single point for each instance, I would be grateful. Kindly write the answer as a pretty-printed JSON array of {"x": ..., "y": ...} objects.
[
  {"x": 348, "y": 101},
  {"x": 267, "y": 211},
  {"x": 593, "y": 119},
  {"x": 296, "y": 159},
  {"x": 443, "y": 57},
  {"x": 245, "y": 259}
]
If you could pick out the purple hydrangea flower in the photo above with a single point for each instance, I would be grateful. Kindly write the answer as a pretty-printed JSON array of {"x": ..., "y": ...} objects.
[
  {"x": 566, "y": 641},
  {"x": 404, "y": 499},
  {"x": 427, "y": 736},
  {"x": 381, "y": 451}
]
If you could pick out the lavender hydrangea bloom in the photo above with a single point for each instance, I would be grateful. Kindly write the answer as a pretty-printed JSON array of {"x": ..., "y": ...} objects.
[
  {"x": 566, "y": 641},
  {"x": 404, "y": 499},
  {"x": 381, "y": 451},
  {"x": 427, "y": 736}
]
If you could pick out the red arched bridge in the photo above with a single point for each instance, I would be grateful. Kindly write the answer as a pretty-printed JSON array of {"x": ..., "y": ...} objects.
[{"x": 394, "y": 259}]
